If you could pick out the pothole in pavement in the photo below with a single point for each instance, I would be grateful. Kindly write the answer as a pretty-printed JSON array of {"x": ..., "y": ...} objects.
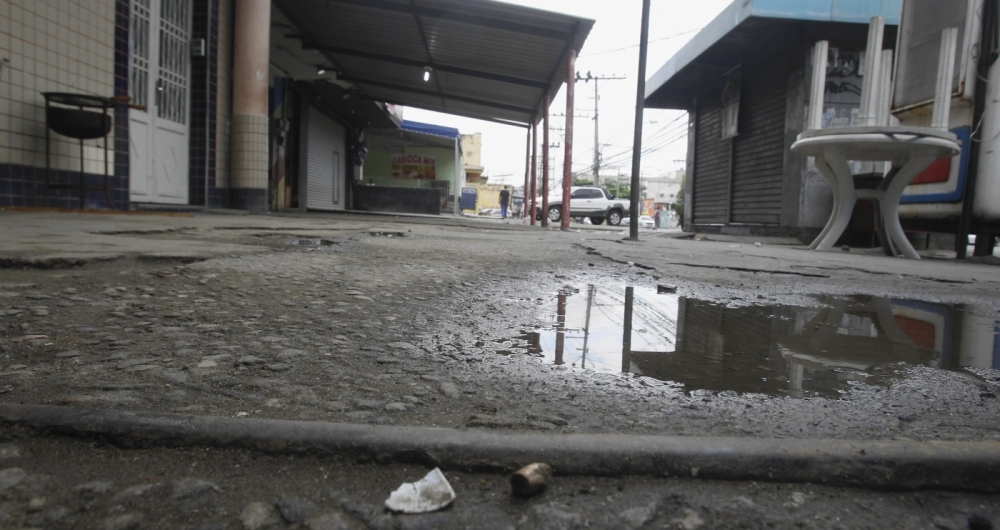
[{"x": 771, "y": 349}]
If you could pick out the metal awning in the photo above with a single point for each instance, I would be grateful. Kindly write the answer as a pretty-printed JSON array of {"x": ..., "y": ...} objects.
[
  {"x": 488, "y": 60},
  {"x": 742, "y": 26},
  {"x": 430, "y": 129},
  {"x": 411, "y": 133}
]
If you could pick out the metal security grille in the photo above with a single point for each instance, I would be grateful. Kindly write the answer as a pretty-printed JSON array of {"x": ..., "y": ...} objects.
[
  {"x": 325, "y": 144},
  {"x": 759, "y": 155},
  {"x": 711, "y": 169},
  {"x": 139, "y": 43},
  {"x": 338, "y": 179},
  {"x": 172, "y": 83}
]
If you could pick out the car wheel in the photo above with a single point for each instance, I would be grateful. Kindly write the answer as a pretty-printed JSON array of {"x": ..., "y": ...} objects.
[
  {"x": 615, "y": 218},
  {"x": 596, "y": 220},
  {"x": 555, "y": 214}
]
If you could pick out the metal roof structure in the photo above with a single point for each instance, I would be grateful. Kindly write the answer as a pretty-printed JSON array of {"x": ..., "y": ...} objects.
[
  {"x": 411, "y": 134},
  {"x": 431, "y": 129},
  {"x": 743, "y": 25},
  {"x": 487, "y": 59}
]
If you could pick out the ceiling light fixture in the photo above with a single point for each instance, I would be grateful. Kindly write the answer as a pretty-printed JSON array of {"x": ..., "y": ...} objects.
[{"x": 427, "y": 73}]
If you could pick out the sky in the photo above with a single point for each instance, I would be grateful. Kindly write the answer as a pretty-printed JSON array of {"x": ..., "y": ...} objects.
[{"x": 611, "y": 50}]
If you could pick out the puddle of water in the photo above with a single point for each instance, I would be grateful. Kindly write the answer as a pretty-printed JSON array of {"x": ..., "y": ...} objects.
[{"x": 778, "y": 350}]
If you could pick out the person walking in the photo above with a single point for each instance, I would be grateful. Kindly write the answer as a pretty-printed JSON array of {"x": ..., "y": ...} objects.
[
  {"x": 504, "y": 201},
  {"x": 656, "y": 218}
]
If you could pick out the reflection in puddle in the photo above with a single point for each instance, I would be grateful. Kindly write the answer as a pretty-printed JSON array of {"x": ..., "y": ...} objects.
[{"x": 774, "y": 350}]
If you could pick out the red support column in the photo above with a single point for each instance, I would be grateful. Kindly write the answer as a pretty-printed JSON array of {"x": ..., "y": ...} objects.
[
  {"x": 534, "y": 170},
  {"x": 545, "y": 161},
  {"x": 568, "y": 158},
  {"x": 527, "y": 172}
]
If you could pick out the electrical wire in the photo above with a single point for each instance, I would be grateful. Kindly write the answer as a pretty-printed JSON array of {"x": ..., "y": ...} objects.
[{"x": 636, "y": 45}]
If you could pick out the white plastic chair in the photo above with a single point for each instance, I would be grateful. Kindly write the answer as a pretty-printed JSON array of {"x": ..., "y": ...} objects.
[{"x": 875, "y": 120}]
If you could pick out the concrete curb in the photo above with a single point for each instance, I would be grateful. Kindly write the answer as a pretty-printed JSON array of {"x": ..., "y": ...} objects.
[{"x": 966, "y": 466}]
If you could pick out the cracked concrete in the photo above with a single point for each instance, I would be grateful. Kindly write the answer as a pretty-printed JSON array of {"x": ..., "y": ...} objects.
[{"x": 328, "y": 318}]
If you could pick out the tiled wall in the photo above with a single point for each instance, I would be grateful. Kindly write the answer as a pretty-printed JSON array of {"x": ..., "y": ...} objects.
[
  {"x": 52, "y": 46},
  {"x": 225, "y": 92},
  {"x": 210, "y": 96},
  {"x": 204, "y": 89}
]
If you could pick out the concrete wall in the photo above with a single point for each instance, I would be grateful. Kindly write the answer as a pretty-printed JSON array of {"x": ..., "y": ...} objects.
[
  {"x": 397, "y": 200},
  {"x": 488, "y": 195}
]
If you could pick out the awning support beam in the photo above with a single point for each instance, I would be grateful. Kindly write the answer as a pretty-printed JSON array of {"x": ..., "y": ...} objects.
[
  {"x": 416, "y": 63},
  {"x": 520, "y": 125},
  {"x": 431, "y": 93},
  {"x": 545, "y": 160}
]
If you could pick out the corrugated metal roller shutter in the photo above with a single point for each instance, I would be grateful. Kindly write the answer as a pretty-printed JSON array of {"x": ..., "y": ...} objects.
[
  {"x": 711, "y": 170},
  {"x": 325, "y": 163},
  {"x": 759, "y": 150}
]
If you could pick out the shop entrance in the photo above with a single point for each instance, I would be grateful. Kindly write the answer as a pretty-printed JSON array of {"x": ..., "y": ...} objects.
[{"x": 159, "y": 78}]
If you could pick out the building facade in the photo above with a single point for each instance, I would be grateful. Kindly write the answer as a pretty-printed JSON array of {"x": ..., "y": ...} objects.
[
  {"x": 251, "y": 104},
  {"x": 744, "y": 81}
]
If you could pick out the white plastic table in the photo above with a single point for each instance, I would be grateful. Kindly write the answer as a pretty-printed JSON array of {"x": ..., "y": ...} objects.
[{"x": 909, "y": 149}]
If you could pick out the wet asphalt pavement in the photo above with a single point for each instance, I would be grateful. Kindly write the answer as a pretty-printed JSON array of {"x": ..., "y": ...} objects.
[{"x": 395, "y": 323}]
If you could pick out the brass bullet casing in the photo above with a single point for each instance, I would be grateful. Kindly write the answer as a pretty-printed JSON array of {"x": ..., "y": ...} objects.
[{"x": 530, "y": 479}]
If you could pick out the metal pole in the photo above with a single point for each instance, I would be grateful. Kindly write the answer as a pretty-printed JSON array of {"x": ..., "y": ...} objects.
[
  {"x": 534, "y": 170},
  {"x": 527, "y": 173},
  {"x": 979, "y": 108},
  {"x": 640, "y": 96},
  {"x": 597, "y": 145},
  {"x": 568, "y": 150},
  {"x": 545, "y": 161}
]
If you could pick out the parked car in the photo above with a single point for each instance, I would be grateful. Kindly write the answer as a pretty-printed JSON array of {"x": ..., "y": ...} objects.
[
  {"x": 596, "y": 204},
  {"x": 645, "y": 221}
]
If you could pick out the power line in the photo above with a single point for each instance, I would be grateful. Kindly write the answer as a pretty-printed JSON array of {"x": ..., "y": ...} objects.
[{"x": 636, "y": 45}]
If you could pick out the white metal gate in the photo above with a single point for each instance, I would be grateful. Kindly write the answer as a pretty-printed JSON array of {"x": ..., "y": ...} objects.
[
  {"x": 159, "y": 80},
  {"x": 325, "y": 169}
]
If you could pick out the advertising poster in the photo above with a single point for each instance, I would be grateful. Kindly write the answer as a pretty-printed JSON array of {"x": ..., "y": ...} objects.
[
  {"x": 414, "y": 166},
  {"x": 731, "y": 103}
]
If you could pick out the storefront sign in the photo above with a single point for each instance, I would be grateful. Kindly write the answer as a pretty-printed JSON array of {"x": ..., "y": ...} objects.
[{"x": 414, "y": 166}]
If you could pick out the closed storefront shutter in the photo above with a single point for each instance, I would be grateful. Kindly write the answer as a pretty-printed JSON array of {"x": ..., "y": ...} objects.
[
  {"x": 711, "y": 170},
  {"x": 325, "y": 170},
  {"x": 759, "y": 150}
]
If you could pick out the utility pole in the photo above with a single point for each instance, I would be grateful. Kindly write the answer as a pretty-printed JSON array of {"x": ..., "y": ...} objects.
[
  {"x": 597, "y": 129},
  {"x": 640, "y": 95}
]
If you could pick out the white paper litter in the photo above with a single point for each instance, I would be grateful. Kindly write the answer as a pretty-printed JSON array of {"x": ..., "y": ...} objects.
[{"x": 429, "y": 494}]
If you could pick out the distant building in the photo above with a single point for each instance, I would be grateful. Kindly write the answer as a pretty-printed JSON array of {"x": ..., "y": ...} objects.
[
  {"x": 472, "y": 150},
  {"x": 663, "y": 190}
]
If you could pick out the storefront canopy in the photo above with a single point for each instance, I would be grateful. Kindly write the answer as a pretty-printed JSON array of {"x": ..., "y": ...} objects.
[
  {"x": 485, "y": 59},
  {"x": 414, "y": 134},
  {"x": 431, "y": 129},
  {"x": 745, "y": 25}
]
